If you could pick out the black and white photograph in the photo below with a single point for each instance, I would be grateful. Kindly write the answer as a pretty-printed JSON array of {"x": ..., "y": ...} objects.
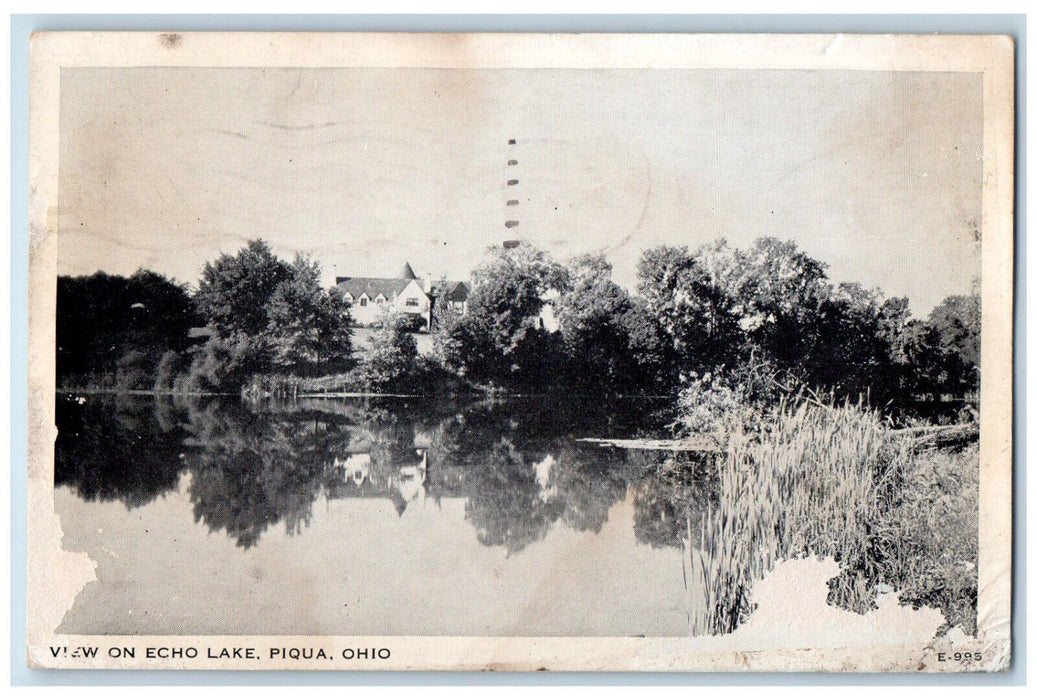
[{"x": 556, "y": 343}]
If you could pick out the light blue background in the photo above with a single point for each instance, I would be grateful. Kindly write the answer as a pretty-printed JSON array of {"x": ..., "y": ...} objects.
[{"x": 23, "y": 25}]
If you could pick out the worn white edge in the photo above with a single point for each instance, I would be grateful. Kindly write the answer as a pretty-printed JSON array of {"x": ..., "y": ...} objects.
[{"x": 55, "y": 576}]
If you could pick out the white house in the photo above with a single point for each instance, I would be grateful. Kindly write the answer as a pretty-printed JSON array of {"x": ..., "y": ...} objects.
[{"x": 370, "y": 296}]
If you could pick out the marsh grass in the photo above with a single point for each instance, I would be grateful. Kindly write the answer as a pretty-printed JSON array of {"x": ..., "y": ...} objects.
[
  {"x": 282, "y": 386},
  {"x": 815, "y": 480}
]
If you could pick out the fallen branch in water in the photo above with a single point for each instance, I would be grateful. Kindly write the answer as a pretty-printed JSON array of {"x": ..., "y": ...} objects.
[
  {"x": 921, "y": 437},
  {"x": 940, "y": 435},
  {"x": 693, "y": 443}
]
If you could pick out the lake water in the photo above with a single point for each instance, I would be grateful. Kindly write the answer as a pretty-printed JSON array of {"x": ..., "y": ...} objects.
[{"x": 395, "y": 517}]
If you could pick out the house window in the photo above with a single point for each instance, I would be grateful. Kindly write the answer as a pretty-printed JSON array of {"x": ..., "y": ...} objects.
[
  {"x": 412, "y": 302},
  {"x": 363, "y": 301}
]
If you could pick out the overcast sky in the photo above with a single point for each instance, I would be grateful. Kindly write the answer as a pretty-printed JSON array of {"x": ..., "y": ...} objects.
[{"x": 877, "y": 174}]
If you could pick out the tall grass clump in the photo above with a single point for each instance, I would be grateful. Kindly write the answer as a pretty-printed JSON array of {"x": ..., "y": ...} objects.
[{"x": 834, "y": 481}]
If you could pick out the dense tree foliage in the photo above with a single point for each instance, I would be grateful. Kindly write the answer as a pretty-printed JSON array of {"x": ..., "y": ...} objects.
[
  {"x": 268, "y": 315},
  {"x": 847, "y": 346},
  {"x": 235, "y": 290},
  {"x": 771, "y": 305},
  {"x": 502, "y": 340},
  {"x": 591, "y": 315},
  {"x": 942, "y": 354},
  {"x": 533, "y": 325},
  {"x": 693, "y": 298},
  {"x": 389, "y": 362},
  {"x": 308, "y": 325},
  {"x": 610, "y": 342},
  {"x": 768, "y": 310},
  {"x": 110, "y": 325},
  {"x": 263, "y": 314}
]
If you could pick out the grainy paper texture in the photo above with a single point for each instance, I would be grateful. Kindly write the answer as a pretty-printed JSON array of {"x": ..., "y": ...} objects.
[{"x": 599, "y": 494}]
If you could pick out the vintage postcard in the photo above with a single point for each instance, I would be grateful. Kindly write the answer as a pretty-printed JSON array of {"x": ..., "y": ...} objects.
[{"x": 520, "y": 352}]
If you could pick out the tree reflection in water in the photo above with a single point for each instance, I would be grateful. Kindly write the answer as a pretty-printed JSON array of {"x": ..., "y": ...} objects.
[
  {"x": 505, "y": 503},
  {"x": 126, "y": 450},
  {"x": 672, "y": 499},
  {"x": 255, "y": 470},
  {"x": 589, "y": 481},
  {"x": 515, "y": 464}
]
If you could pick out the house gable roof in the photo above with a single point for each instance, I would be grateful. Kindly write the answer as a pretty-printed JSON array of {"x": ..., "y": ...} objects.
[
  {"x": 372, "y": 286},
  {"x": 451, "y": 290},
  {"x": 417, "y": 286}
]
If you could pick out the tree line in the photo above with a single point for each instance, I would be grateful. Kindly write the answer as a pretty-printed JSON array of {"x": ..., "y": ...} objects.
[
  {"x": 715, "y": 311},
  {"x": 259, "y": 314}
]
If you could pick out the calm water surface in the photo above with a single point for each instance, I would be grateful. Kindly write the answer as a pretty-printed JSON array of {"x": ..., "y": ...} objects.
[{"x": 372, "y": 517}]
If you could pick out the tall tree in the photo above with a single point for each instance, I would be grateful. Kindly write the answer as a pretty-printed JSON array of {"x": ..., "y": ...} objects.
[
  {"x": 946, "y": 348},
  {"x": 655, "y": 364},
  {"x": 268, "y": 314},
  {"x": 779, "y": 290},
  {"x": 695, "y": 299},
  {"x": 389, "y": 362},
  {"x": 849, "y": 347},
  {"x": 308, "y": 325},
  {"x": 591, "y": 315},
  {"x": 234, "y": 291},
  {"x": 500, "y": 340},
  {"x": 956, "y": 320}
]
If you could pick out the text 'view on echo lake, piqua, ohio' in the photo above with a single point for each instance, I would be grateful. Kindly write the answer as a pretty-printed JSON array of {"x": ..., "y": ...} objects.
[{"x": 592, "y": 355}]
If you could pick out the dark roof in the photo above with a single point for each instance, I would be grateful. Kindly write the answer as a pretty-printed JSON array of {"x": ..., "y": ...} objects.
[
  {"x": 407, "y": 273},
  {"x": 451, "y": 290},
  {"x": 373, "y": 286}
]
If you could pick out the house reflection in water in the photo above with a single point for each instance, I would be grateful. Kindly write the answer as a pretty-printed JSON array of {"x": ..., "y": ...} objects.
[
  {"x": 359, "y": 475},
  {"x": 356, "y": 468}
]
